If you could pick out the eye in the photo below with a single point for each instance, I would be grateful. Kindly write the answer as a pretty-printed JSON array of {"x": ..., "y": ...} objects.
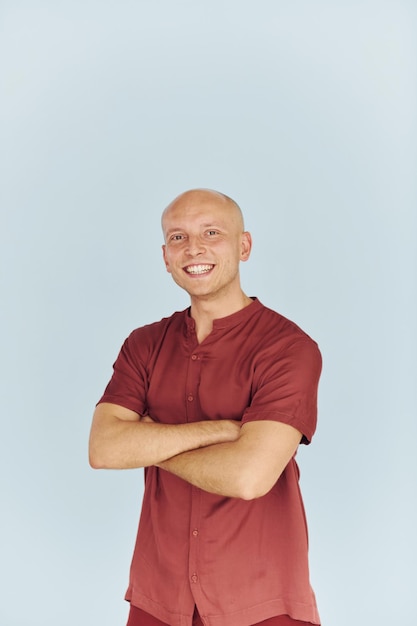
[
  {"x": 211, "y": 233},
  {"x": 176, "y": 237}
]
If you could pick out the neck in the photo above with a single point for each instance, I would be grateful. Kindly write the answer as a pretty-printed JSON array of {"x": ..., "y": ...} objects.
[{"x": 205, "y": 311}]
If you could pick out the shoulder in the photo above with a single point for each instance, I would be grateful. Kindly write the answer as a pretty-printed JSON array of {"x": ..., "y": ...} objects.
[
  {"x": 145, "y": 340},
  {"x": 157, "y": 329},
  {"x": 276, "y": 329}
]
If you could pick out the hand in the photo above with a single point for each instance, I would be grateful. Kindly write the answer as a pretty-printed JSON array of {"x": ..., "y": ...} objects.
[
  {"x": 146, "y": 419},
  {"x": 231, "y": 429}
]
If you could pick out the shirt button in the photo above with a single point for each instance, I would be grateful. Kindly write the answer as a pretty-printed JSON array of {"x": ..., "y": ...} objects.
[
  {"x": 194, "y": 357},
  {"x": 195, "y": 532},
  {"x": 190, "y": 398},
  {"x": 194, "y": 578}
]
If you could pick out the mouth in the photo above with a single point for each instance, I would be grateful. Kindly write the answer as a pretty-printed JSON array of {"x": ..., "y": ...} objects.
[{"x": 198, "y": 270}]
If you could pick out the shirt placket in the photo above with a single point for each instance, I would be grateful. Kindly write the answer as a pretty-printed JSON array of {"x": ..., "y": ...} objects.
[
  {"x": 191, "y": 390},
  {"x": 193, "y": 415}
]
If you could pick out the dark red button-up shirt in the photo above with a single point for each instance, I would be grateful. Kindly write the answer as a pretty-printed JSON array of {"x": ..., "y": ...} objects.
[{"x": 239, "y": 561}]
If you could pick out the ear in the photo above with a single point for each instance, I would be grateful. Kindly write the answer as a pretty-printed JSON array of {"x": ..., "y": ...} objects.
[
  {"x": 245, "y": 246},
  {"x": 164, "y": 254}
]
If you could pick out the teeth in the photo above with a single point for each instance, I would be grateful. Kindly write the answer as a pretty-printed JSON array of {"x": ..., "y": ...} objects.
[{"x": 198, "y": 269}]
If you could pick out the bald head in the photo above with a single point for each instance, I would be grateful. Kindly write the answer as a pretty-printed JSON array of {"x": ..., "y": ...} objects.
[{"x": 198, "y": 199}]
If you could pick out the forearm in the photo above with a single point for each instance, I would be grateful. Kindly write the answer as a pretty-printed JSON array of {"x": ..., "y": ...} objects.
[
  {"x": 215, "y": 469},
  {"x": 246, "y": 468},
  {"x": 117, "y": 443}
]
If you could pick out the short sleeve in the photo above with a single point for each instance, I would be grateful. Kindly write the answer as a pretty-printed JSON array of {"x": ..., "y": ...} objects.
[
  {"x": 285, "y": 387},
  {"x": 129, "y": 382}
]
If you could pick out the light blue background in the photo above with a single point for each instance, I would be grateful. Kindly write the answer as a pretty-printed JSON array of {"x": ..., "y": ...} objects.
[{"x": 305, "y": 113}]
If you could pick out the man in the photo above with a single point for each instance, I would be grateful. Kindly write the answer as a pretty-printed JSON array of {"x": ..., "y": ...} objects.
[{"x": 213, "y": 402}]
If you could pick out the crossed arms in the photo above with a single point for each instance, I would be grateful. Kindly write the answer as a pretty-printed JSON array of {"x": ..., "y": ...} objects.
[{"x": 219, "y": 456}]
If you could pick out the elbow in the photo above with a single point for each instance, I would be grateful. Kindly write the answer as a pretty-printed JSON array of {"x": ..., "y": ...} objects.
[
  {"x": 94, "y": 461},
  {"x": 101, "y": 452},
  {"x": 94, "y": 464},
  {"x": 97, "y": 458},
  {"x": 252, "y": 493},
  {"x": 253, "y": 487}
]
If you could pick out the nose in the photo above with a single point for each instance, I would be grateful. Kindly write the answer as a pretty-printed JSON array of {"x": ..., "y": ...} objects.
[{"x": 195, "y": 246}]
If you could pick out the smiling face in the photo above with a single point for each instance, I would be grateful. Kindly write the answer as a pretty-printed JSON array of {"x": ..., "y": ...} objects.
[{"x": 204, "y": 244}]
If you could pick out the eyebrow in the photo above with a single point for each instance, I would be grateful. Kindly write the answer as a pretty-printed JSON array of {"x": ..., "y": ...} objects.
[{"x": 218, "y": 225}]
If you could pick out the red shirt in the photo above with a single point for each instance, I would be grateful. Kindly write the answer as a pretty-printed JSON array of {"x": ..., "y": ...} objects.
[{"x": 239, "y": 561}]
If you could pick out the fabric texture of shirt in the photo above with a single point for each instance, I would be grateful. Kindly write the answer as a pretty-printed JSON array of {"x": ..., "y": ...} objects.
[{"x": 239, "y": 561}]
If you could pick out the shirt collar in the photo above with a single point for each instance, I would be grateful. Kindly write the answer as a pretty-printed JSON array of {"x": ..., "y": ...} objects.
[{"x": 230, "y": 320}]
